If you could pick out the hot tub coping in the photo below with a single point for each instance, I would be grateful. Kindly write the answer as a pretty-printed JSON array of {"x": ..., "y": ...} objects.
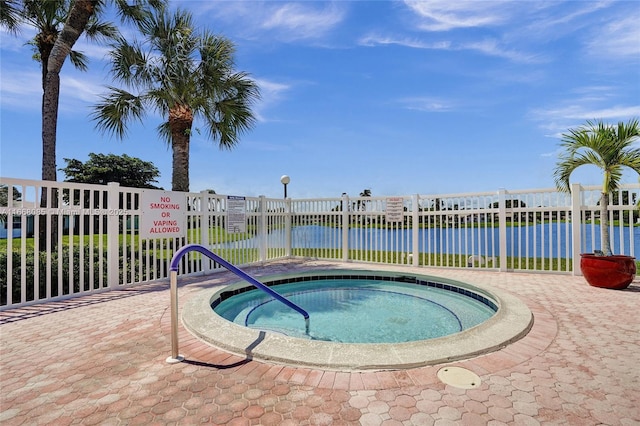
[{"x": 511, "y": 322}]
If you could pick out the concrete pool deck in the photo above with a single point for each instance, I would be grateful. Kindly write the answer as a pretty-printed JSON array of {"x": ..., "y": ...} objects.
[{"x": 100, "y": 359}]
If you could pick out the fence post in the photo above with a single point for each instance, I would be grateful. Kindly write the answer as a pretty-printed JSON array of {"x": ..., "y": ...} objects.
[
  {"x": 204, "y": 218},
  {"x": 262, "y": 229},
  {"x": 113, "y": 235},
  {"x": 502, "y": 228},
  {"x": 345, "y": 227},
  {"x": 204, "y": 228},
  {"x": 287, "y": 227},
  {"x": 415, "y": 229},
  {"x": 576, "y": 228}
]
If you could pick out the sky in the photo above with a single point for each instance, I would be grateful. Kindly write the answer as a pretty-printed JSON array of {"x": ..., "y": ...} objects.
[{"x": 398, "y": 97}]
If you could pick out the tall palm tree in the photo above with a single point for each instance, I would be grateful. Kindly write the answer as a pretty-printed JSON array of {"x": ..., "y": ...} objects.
[
  {"x": 184, "y": 75},
  {"x": 81, "y": 18},
  {"x": 75, "y": 24},
  {"x": 608, "y": 147},
  {"x": 59, "y": 24},
  {"x": 48, "y": 19}
]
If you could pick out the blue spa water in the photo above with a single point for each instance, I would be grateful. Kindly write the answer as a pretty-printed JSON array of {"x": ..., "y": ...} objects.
[{"x": 358, "y": 311}]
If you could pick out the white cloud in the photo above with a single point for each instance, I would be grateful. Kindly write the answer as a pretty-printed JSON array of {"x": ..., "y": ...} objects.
[
  {"x": 80, "y": 89},
  {"x": 619, "y": 38},
  {"x": 556, "y": 119},
  {"x": 284, "y": 21},
  {"x": 271, "y": 88},
  {"x": 301, "y": 21},
  {"x": 577, "y": 111},
  {"x": 492, "y": 47},
  {"x": 445, "y": 15},
  {"x": 373, "y": 40},
  {"x": 271, "y": 94},
  {"x": 489, "y": 47},
  {"x": 21, "y": 89},
  {"x": 551, "y": 18},
  {"x": 427, "y": 104},
  {"x": 613, "y": 112}
]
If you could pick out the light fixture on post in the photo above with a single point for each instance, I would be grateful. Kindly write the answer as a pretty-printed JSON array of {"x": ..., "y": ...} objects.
[{"x": 285, "y": 180}]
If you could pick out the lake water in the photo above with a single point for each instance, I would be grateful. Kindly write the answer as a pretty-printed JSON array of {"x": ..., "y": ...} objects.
[{"x": 544, "y": 240}]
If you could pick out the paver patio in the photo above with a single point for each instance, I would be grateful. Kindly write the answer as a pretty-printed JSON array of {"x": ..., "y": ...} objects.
[{"x": 100, "y": 359}]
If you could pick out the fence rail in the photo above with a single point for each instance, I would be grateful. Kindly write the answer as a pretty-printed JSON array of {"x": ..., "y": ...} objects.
[{"x": 61, "y": 239}]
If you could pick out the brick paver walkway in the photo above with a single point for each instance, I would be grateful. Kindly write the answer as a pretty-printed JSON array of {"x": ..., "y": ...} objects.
[{"x": 100, "y": 359}]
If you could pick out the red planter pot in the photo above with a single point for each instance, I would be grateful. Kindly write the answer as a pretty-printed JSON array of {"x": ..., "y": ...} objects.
[{"x": 614, "y": 272}]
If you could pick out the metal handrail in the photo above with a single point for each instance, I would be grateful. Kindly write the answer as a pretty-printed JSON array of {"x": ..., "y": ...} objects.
[{"x": 175, "y": 356}]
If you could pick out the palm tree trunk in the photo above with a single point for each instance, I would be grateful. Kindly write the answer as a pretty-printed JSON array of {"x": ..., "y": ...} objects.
[
  {"x": 604, "y": 224},
  {"x": 180, "y": 121},
  {"x": 73, "y": 28},
  {"x": 45, "y": 45},
  {"x": 50, "y": 99},
  {"x": 180, "y": 178}
]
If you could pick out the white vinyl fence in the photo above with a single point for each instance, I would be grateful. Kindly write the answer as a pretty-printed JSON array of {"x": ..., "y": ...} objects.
[{"x": 62, "y": 239}]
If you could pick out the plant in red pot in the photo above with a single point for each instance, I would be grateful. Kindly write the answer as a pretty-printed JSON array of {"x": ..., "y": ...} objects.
[{"x": 610, "y": 148}]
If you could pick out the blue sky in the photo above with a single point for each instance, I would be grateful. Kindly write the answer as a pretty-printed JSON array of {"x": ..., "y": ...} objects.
[{"x": 401, "y": 98}]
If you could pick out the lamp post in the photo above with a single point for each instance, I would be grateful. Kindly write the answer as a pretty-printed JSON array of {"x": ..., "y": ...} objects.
[{"x": 285, "y": 180}]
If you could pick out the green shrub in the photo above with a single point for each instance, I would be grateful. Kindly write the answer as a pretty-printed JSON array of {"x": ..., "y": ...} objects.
[{"x": 61, "y": 263}]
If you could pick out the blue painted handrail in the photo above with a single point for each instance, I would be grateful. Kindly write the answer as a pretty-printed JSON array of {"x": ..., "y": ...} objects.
[{"x": 196, "y": 247}]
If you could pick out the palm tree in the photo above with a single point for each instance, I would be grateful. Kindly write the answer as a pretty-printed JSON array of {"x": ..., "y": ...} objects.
[
  {"x": 48, "y": 19},
  {"x": 81, "y": 18},
  {"x": 59, "y": 24},
  {"x": 75, "y": 24},
  {"x": 361, "y": 204},
  {"x": 184, "y": 75},
  {"x": 607, "y": 147}
]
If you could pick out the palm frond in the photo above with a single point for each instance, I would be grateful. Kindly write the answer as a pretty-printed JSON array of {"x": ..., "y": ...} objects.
[
  {"x": 130, "y": 64},
  {"x": 101, "y": 31},
  {"x": 10, "y": 15},
  {"x": 605, "y": 146},
  {"x": 565, "y": 168},
  {"x": 45, "y": 14},
  {"x": 138, "y": 10},
  {"x": 115, "y": 110},
  {"x": 164, "y": 130},
  {"x": 79, "y": 60}
]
